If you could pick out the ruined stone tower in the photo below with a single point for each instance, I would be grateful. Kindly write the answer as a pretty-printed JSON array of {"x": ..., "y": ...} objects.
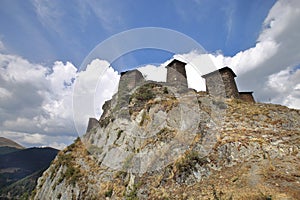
[
  {"x": 247, "y": 96},
  {"x": 130, "y": 79},
  {"x": 176, "y": 74},
  {"x": 221, "y": 83}
]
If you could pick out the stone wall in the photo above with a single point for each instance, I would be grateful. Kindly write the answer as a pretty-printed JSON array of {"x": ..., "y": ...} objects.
[
  {"x": 176, "y": 74},
  {"x": 221, "y": 83},
  {"x": 247, "y": 96},
  {"x": 130, "y": 79}
]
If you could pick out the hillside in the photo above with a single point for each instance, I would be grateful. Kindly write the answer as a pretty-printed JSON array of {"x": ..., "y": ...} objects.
[
  {"x": 4, "y": 142},
  {"x": 166, "y": 145},
  {"x": 23, "y": 164},
  {"x": 8, "y": 146},
  {"x": 21, "y": 189}
]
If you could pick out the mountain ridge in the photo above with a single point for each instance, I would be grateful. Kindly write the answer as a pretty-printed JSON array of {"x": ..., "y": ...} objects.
[
  {"x": 162, "y": 145},
  {"x": 5, "y": 142},
  {"x": 20, "y": 169}
]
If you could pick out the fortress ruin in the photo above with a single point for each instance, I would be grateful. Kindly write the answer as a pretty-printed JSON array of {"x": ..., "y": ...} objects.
[
  {"x": 176, "y": 74},
  {"x": 219, "y": 83}
]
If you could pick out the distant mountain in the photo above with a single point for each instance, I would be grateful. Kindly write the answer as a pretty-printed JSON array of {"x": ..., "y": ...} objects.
[
  {"x": 4, "y": 142},
  {"x": 22, "y": 164},
  {"x": 6, "y": 150},
  {"x": 21, "y": 189},
  {"x": 9, "y": 146}
]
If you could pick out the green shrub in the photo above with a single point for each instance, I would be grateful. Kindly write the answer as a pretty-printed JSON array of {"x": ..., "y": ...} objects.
[{"x": 109, "y": 192}]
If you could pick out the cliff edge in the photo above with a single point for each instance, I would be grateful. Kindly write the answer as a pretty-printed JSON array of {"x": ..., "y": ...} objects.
[{"x": 161, "y": 144}]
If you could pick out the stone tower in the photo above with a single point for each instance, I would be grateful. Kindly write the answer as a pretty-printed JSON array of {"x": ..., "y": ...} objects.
[
  {"x": 221, "y": 83},
  {"x": 247, "y": 96},
  {"x": 130, "y": 79},
  {"x": 176, "y": 74}
]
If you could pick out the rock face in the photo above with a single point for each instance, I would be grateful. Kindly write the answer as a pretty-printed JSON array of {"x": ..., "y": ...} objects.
[{"x": 169, "y": 145}]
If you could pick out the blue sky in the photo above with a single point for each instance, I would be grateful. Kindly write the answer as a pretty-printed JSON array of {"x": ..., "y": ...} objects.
[
  {"x": 46, "y": 31},
  {"x": 44, "y": 42}
]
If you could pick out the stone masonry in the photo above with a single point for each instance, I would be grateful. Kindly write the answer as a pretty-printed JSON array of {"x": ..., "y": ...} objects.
[
  {"x": 247, "y": 96},
  {"x": 130, "y": 79},
  {"x": 176, "y": 74},
  {"x": 221, "y": 83}
]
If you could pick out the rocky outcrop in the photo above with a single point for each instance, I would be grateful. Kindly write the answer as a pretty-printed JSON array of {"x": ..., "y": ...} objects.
[{"x": 169, "y": 145}]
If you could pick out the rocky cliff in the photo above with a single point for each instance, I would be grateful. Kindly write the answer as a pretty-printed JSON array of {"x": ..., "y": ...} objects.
[{"x": 161, "y": 143}]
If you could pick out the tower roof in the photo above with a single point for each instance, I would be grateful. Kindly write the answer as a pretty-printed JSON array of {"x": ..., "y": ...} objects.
[
  {"x": 219, "y": 71},
  {"x": 175, "y": 61},
  {"x": 130, "y": 71}
]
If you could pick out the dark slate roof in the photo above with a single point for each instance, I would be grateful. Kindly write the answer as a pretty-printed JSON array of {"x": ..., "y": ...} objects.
[
  {"x": 219, "y": 71},
  {"x": 175, "y": 60},
  {"x": 250, "y": 92},
  {"x": 130, "y": 71}
]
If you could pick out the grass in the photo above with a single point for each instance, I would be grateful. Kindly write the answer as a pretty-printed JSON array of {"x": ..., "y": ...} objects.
[{"x": 66, "y": 159}]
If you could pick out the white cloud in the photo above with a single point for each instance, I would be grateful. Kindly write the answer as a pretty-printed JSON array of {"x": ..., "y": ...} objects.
[
  {"x": 277, "y": 51},
  {"x": 4, "y": 93},
  {"x": 285, "y": 86},
  {"x": 39, "y": 140},
  {"x": 94, "y": 85},
  {"x": 49, "y": 14},
  {"x": 58, "y": 145},
  {"x": 17, "y": 69},
  {"x": 249, "y": 59},
  {"x": 36, "y": 99},
  {"x": 107, "y": 86},
  {"x": 154, "y": 73},
  {"x": 282, "y": 18},
  {"x": 197, "y": 65}
]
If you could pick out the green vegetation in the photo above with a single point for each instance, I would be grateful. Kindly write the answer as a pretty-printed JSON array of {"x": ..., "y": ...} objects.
[
  {"x": 132, "y": 194},
  {"x": 145, "y": 92},
  {"x": 65, "y": 158},
  {"x": 104, "y": 122},
  {"x": 6, "y": 150},
  {"x": 23, "y": 188},
  {"x": 59, "y": 196},
  {"x": 109, "y": 192},
  {"x": 166, "y": 90},
  {"x": 185, "y": 165}
]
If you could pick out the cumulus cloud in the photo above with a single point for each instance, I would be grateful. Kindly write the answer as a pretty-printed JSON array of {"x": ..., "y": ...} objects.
[
  {"x": 36, "y": 139},
  {"x": 275, "y": 52},
  {"x": 107, "y": 85},
  {"x": 285, "y": 87},
  {"x": 154, "y": 73},
  {"x": 95, "y": 84},
  {"x": 197, "y": 65},
  {"x": 37, "y": 101}
]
